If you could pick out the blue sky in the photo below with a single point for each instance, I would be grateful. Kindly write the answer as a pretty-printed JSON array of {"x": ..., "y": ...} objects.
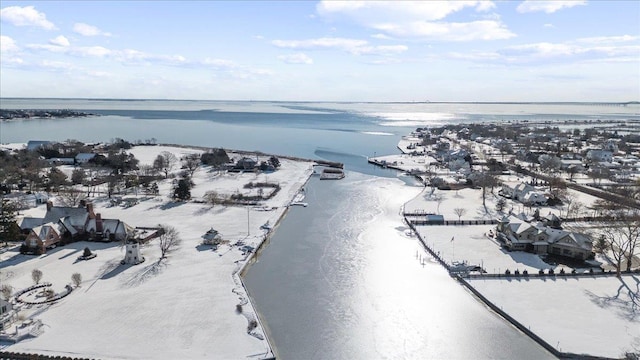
[{"x": 322, "y": 51}]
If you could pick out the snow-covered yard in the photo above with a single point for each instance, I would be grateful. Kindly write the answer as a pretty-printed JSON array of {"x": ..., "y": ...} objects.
[
  {"x": 581, "y": 315},
  {"x": 184, "y": 306}
]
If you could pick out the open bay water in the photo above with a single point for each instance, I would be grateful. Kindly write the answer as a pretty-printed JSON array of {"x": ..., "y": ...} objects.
[{"x": 327, "y": 286}]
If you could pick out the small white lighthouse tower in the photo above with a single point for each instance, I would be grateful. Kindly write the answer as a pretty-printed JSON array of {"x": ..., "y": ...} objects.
[{"x": 132, "y": 255}]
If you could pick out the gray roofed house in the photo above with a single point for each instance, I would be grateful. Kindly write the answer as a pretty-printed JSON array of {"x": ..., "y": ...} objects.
[
  {"x": 73, "y": 222},
  {"x": 541, "y": 239}
]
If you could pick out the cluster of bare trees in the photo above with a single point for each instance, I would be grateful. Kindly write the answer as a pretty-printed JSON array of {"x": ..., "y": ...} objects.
[{"x": 621, "y": 238}]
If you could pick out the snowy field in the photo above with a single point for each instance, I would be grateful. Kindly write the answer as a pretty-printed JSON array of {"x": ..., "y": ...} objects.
[
  {"x": 585, "y": 315},
  {"x": 181, "y": 307}
]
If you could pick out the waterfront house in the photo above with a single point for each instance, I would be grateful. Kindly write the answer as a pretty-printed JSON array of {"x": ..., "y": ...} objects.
[
  {"x": 72, "y": 224},
  {"x": 539, "y": 238},
  {"x": 44, "y": 237}
]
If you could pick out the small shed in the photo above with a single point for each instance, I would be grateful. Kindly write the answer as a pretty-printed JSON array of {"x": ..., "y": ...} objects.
[{"x": 211, "y": 237}]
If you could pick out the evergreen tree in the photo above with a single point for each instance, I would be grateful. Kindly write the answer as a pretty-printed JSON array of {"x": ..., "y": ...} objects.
[
  {"x": 182, "y": 190},
  {"x": 8, "y": 228}
]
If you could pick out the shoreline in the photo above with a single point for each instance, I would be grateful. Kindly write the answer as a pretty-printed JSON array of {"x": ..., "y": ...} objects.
[
  {"x": 251, "y": 261},
  {"x": 295, "y": 177}
]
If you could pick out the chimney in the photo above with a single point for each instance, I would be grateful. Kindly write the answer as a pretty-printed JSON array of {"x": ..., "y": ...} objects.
[
  {"x": 99, "y": 226},
  {"x": 49, "y": 205},
  {"x": 90, "y": 210}
]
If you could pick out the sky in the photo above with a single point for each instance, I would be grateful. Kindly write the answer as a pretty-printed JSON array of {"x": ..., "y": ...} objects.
[{"x": 322, "y": 51}]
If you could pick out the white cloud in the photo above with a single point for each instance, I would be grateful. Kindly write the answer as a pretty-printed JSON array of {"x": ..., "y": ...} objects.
[
  {"x": 544, "y": 49},
  {"x": 443, "y": 31},
  {"x": 219, "y": 63},
  {"x": 353, "y": 46},
  {"x": 379, "y": 50},
  {"x": 419, "y": 19},
  {"x": 88, "y": 30},
  {"x": 25, "y": 16},
  {"x": 369, "y": 12},
  {"x": 56, "y": 65},
  {"x": 298, "y": 58},
  {"x": 549, "y": 26},
  {"x": 474, "y": 56},
  {"x": 93, "y": 51},
  {"x": 7, "y": 44},
  {"x": 60, "y": 41},
  {"x": 547, "y": 6},
  {"x": 48, "y": 47},
  {"x": 321, "y": 43},
  {"x": 569, "y": 51},
  {"x": 609, "y": 39},
  {"x": 381, "y": 36}
]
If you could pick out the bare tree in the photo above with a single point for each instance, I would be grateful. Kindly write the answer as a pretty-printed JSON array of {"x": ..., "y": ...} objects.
[
  {"x": 486, "y": 180},
  {"x": 438, "y": 199},
  {"x": 76, "y": 278},
  {"x": 77, "y": 176},
  {"x": 6, "y": 290},
  {"x": 165, "y": 162},
  {"x": 211, "y": 197},
  {"x": 71, "y": 196},
  {"x": 168, "y": 240},
  {"x": 460, "y": 212},
  {"x": 622, "y": 237},
  {"x": 36, "y": 275},
  {"x": 191, "y": 162}
]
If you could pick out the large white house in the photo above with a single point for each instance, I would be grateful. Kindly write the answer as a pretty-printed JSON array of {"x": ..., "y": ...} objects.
[
  {"x": 524, "y": 193},
  {"x": 542, "y": 237}
]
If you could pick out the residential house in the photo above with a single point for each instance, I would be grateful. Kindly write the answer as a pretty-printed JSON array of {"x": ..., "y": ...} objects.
[
  {"x": 71, "y": 224},
  {"x": 524, "y": 193},
  {"x": 246, "y": 163},
  {"x": 536, "y": 237},
  {"x": 44, "y": 237},
  {"x": 595, "y": 155}
]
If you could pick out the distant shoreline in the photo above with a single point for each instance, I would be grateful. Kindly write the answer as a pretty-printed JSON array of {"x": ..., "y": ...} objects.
[{"x": 19, "y": 114}]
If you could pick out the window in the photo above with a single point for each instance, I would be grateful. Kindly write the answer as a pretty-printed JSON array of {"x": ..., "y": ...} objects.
[
  {"x": 130, "y": 252},
  {"x": 566, "y": 252}
]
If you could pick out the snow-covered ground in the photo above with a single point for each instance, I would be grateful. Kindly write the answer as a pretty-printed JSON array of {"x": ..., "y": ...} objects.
[
  {"x": 181, "y": 307},
  {"x": 585, "y": 315}
]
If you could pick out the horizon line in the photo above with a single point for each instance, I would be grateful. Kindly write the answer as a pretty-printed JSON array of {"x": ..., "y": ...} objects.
[{"x": 332, "y": 101}]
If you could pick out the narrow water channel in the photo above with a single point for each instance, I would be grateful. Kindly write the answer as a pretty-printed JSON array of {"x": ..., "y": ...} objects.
[{"x": 340, "y": 280}]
